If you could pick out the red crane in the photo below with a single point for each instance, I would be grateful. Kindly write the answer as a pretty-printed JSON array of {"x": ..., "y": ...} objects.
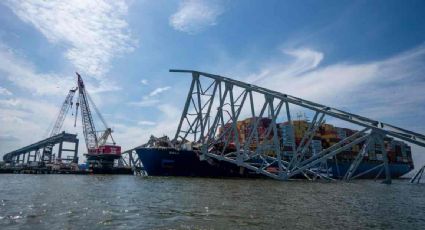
[{"x": 100, "y": 154}]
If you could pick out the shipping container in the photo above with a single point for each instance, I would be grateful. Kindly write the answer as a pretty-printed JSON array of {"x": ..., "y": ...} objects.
[
  {"x": 326, "y": 136},
  {"x": 340, "y": 133},
  {"x": 316, "y": 146}
]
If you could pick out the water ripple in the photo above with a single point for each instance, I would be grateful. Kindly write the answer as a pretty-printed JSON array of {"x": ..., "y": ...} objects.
[{"x": 127, "y": 202}]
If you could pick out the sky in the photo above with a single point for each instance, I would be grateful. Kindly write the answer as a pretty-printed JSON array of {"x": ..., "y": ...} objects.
[{"x": 365, "y": 57}]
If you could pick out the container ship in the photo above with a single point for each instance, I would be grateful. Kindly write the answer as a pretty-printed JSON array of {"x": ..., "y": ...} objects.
[{"x": 160, "y": 158}]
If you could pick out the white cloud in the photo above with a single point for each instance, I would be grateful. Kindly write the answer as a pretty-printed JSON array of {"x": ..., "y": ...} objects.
[
  {"x": 132, "y": 136},
  {"x": 24, "y": 119},
  {"x": 9, "y": 102},
  {"x": 4, "y": 91},
  {"x": 145, "y": 102},
  {"x": 159, "y": 91},
  {"x": 93, "y": 32},
  {"x": 396, "y": 81},
  {"x": 305, "y": 59},
  {"x": 22, "y": 73},
  {"x": 146, "y": 123},
  {"x": 144, "y": 82},
  {"x": 150, "y": 100},
  {"x": 8, "y": 138},
  {"x": 302, "y": 61},
  {"x": 194, "y": 15},
  {"x": 372, "y": 89}
]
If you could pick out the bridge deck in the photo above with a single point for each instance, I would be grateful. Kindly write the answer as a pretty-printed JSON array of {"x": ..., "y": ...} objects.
[{"x": 57, "y": 139}]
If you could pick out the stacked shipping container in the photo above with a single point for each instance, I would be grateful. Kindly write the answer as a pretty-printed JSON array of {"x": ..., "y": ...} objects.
[
  {"x": 290, "y": 135},
  {"x": 244, "y": 129}
]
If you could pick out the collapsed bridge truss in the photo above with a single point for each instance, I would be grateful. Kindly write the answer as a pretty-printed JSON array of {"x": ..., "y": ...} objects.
[{"x": 217, "y": 103}]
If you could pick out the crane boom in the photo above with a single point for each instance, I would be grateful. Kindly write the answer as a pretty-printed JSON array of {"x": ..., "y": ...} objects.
[
  {"x": 89, "y": 129},
  {"x": 62, "y": 113},
  {"x": 47, "y": 150}
]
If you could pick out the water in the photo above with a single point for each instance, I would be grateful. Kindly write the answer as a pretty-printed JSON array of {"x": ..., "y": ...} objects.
[{"x": 127, "y": 202}]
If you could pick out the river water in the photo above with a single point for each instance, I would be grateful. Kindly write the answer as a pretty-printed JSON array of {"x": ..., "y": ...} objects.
[{"x": 128, "y": 202}]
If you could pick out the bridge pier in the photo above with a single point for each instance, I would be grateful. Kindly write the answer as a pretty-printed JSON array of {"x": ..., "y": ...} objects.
[
  {"x": 30, "y": 152},
  {"x": 60, "y": 151},
  {"x": 35, "y": 155},
  {"x": 75, "y": 160}
]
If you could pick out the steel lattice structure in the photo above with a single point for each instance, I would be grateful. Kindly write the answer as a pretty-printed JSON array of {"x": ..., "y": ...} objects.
[
  {"x": 215, "y": 102},
  {"x": 130, "y": 158},
  {"x": 66, "y": 105},
  {"x": 88, "y": 125},
  {"x": 418, "y": 176}
]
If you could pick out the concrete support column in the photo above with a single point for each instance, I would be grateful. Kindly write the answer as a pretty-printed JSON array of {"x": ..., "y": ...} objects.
[
  {"x": 28, "y": 157},
  {"x": 60, "y": 151},
  {"x": 75, "y": 160},
  {"x": 42, "y": 155}
]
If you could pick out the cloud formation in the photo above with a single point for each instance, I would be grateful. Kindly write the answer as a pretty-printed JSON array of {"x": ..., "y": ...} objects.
[
  {"x": 23, "y": 121},
  {"x": 159, "y": 90},
  {"x": 146, "y": 123},
  {"x": 301, "y": 61},
  {"x": 8, "y": 138},
  {"x": 372, "y": 89},
  {"x": 145, "y": 102},
  {"x": 144, "y": 82},
  {"x": 93, "y": 32},
  {"x": 150, "y": 100},
  {"x": 193, "y": 16},
  {"x": 166, "y": 124},
  {"x": 23, "y": 74},
  {"x": 4, "y": 91}
]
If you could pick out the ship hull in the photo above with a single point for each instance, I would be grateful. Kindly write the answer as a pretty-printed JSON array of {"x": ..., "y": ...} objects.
[
  {"x": 396, "y": 169},
  {"x": 172, "y": 162}
]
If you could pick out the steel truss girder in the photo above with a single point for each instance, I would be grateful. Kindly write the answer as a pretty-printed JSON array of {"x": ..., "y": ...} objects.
[
  {"x": 418, "y": 176},
  {"x": 357, "y": 160},
  {"x": 203, "y": 123},
  {"x": 130, "y": 158},
  {"x": 305, "y": 142}
]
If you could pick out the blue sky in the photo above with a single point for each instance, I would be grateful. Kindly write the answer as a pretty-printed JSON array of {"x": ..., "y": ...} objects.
[{"x": 361, "y": 56}]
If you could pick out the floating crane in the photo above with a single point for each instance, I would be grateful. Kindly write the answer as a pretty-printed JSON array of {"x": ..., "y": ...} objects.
[{"x": 100, "y": 154}]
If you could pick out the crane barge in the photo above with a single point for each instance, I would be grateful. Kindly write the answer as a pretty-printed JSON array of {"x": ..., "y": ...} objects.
[{"x": 101, "y": 154}]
